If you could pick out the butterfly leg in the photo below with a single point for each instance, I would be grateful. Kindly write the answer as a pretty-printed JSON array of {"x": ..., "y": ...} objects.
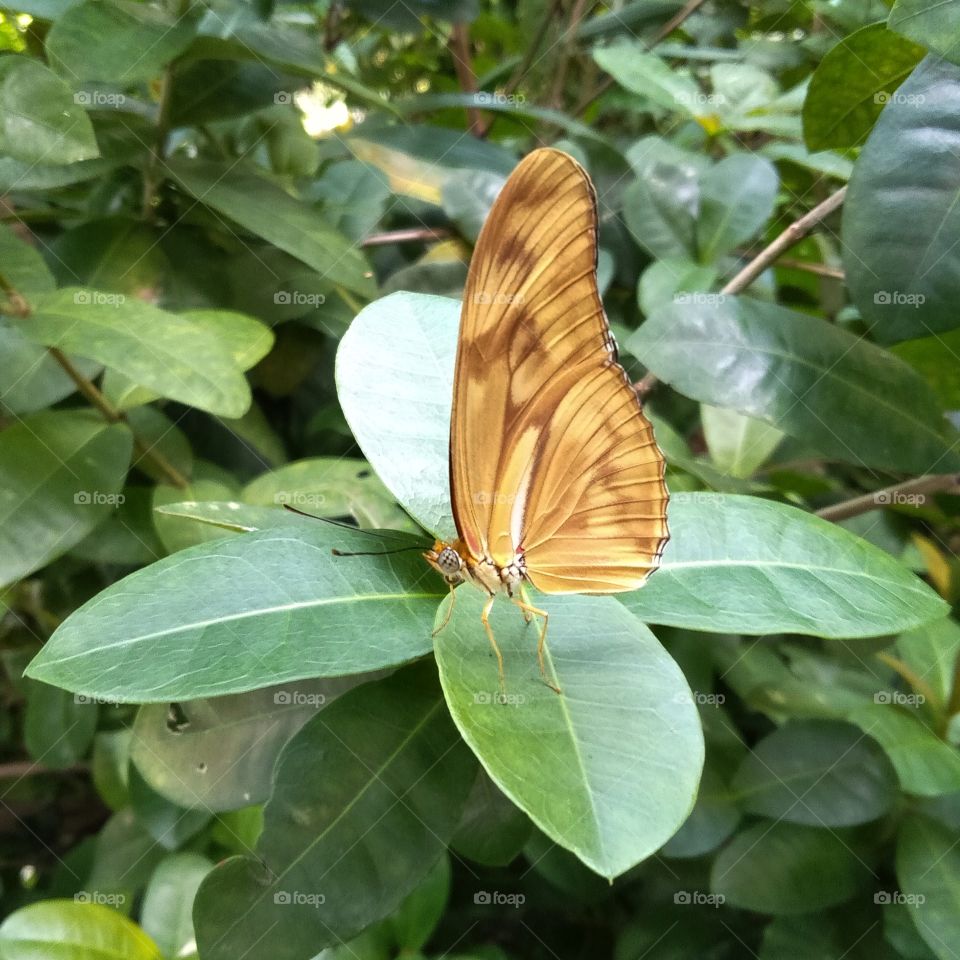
[
  {"x": 446, "y": 619},
  {"x": 529, "y": 611},
  {"x": 485, "y": 618}
]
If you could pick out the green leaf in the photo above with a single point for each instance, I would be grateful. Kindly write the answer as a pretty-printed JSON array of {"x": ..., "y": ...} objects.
[
  {"x": 610, "y": 807},
  {"x": 934, "y": 24},
  {"x": 845, "y": 98},
  {"x": 110, "y": 767},
  {"x": 78, "y": 931},
  {"x": 493, "y": 829},
  {"x": 737, "y": 198},
  {"x": 23, "y": 266},
  {"x": 170, "y": 824},
  {"x": 712, "y": 820},
  {"x": 928, "y": 868},
  {"x": 818, "y": 772},
  {"x": 745, "y": 565},
  {"x": 174, "y": 355},
  {"x": 403, "y": 347},
  {"x": 417, "y": 917},
  {"x": 219, "y": 753},
  {"x": 125, "y": 855},
  {"x": 738, "y": 444},
  {"x": 330, "y": 487},
  {"x": 58, "y": 726},
  {"x": 354, "y": 197},
  {"x": 906, "y": 176},
  {"x": 40, "y": 120},
  {"x": 60, "y": 474},
  {"x": 931, "y": 652},
  {"x": 263, "y": 208},
  {"x": 167, "y": 911},
  {"x": 785, "y": 868},
  {"x": 115, "y": 42},
  {"x": 809, "y": 378},
  {"x": 672, "y": 278},
  {"x": 925, "y": 765},
  {"x": 937, "y": 360},
  {"x": 338, "y": 853},
  {"x": 652, "y": 78},
  {"x": 243, "y": 613}
]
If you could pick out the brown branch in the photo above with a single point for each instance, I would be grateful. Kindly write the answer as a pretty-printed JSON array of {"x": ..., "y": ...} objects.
[
  {"x": 567, "y": 50},
  {"x": 789, "y": 238},
  {"x": 423, "y": 234},
  {"x": 460, "y": 51},
  {"x": 18, "y": 306},
  {"x": 888, "y": 496},
  {"x": 27, "y": 768},
  {"x": 153, "y": 174}
]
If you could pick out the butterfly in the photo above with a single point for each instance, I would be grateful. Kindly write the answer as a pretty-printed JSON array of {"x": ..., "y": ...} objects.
[{"x": 555, "y": 477}]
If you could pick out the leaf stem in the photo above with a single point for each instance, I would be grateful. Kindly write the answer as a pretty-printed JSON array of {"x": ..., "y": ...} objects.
[
  {"x": 152, "y": 175},
  {"x": 918, "y": 487},
  {"x": 404, "y": 236},
  {"x": 460, "y": 51}
]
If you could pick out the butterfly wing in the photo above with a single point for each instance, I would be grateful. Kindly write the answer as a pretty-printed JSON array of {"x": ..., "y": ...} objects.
[{"x": 550, "y": 453}]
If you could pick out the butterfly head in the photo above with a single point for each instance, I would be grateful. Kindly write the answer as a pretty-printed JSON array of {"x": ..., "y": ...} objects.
[{"x": 447, "y": 561}]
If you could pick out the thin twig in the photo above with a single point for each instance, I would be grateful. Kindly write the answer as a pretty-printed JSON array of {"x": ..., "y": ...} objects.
[
  {"x": 789, "y": 238},
  {"x": 899, "y": 493},
  {"x": 460, "y": 51},
  {"x": 152, "y": 174},
  {"x": 405, "y": 236},
  {"x": 27, "y": 768},
  {"x": 820, "y": 269},
  {"x": 567, "y": 50},
  {"x": 533, "y": 48}
]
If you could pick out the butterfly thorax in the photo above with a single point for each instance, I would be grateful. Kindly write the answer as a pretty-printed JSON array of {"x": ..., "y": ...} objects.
[{"x": 456, "y": 564}]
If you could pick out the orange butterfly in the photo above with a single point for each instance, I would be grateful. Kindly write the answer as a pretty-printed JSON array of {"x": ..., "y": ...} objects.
[{"x": 555, "y": 476}]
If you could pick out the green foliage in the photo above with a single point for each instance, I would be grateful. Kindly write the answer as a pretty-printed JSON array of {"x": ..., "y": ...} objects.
[{"x": 222, "y": 738}]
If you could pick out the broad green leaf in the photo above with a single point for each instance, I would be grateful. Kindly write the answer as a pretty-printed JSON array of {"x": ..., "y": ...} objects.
[
  {"x": 243, "y": 613},
  {"x": 338, "y": 853},
  {"x": 493, "y": 829},
  {"x": 928, "y": 868},
  {"x": 737, "y": 198},
  {"x": 110, "y": 767},
  {"x": 60, "y": 474},
  {"x": 738, "y": 444},
  {"x": 167, "y": 911},
  {"x": 934, "y": 23},
  {"x": 660, "y": 207},
  {"x": 213, "y": 90},
  {"x": 467, "y": 198},
  {"x": 651, "y": 78},
  {"x": 850, "y": 932},
  {"x": 403, "y": 347},
  {"x": 74, "y": 931},
  {"x": 115, "y": 42},
  {"x": 228, "y": 514},
  {"x": 785, "y": 869},
  {"x": 127, "y": 537},
  {"x": 925, "y": 765},
  {"x": 809, "y": 378},
  {"x": 931, "y": 652},
  {"x": 845, "y": 96},
  {"x": 23, "y": 266},
  {"x": 58, "y": 726},
  {"x": 901, "y": 933},
  {"x": 124, "y": 856},
  {"x": 906, "y": 176},
  {"x": 171, "y": 354},
  {"x": 563, "y": 758},
  {"x": 40, "y": 120},
  {"x": 712, "y": 820},
  {"x": 822, "y": 161},
  {"x": 417, "y": 917},
  {"x": 937, "y": 360},
  {"x": 260, "y": 206},
  {"x": 330, "y": 487},
  {"x": 734, "y": 564},
  {"x": 354, "y": 196},
  {"x": 170, "y": 824},
  {"x": 219, "y": 753},
  {"x": 818, "y": 772},
  {"x": 673, "y": 278},
  {"x": 745, "y": 565},
  {"x": 114, "y": 253}
]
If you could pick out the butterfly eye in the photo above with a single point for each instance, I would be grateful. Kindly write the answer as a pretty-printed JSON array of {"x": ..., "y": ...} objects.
[{"x": 449, "y": 560}]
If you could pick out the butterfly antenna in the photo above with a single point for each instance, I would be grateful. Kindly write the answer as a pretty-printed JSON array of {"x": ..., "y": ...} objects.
[{"x": 353, "y": 529}]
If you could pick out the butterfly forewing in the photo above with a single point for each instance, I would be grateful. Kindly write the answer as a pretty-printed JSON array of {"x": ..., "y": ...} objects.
[{"x": 550, "y": 453}]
